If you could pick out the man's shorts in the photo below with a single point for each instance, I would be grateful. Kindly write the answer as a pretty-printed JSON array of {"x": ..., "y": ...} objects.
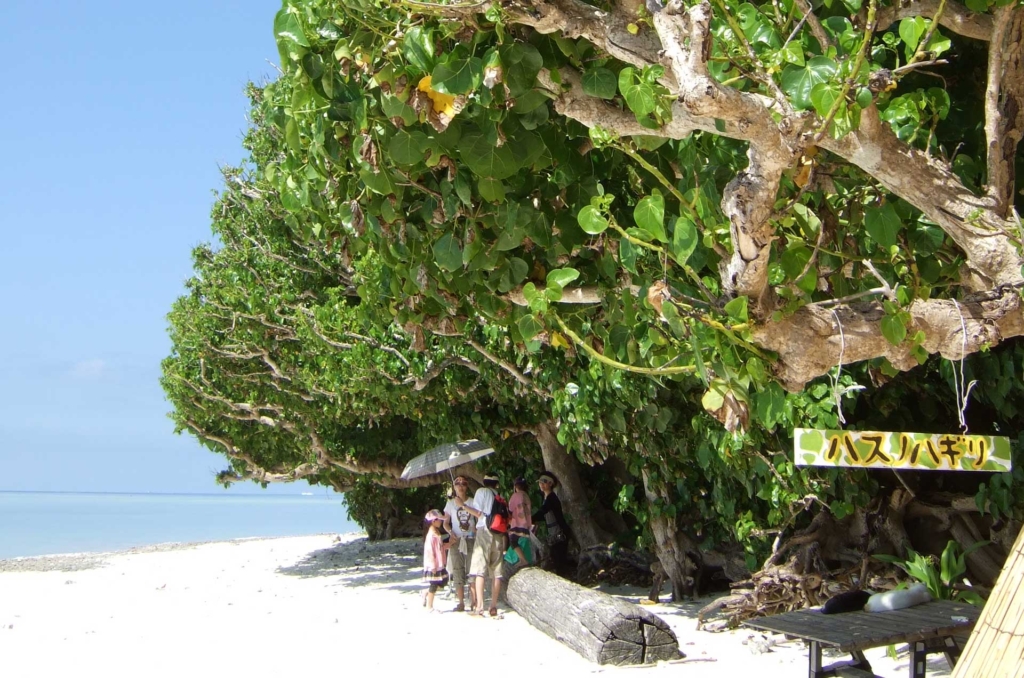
[
  {"x": 458, "y": 564},
  {"x": 487, "y": 555}
]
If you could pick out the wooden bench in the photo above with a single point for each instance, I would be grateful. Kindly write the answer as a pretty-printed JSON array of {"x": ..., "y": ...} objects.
[{"x": 932, "y": 627}]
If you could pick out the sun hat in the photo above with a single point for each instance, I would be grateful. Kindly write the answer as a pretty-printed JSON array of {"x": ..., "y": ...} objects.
[
  {"x": 491, "y": 477},
  {"x": 432, "y": 515},
  {"x": 549, "y": 478}
]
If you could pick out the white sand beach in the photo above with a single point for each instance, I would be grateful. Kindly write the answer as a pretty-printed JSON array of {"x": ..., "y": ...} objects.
[{"x": 313, "y": 605}]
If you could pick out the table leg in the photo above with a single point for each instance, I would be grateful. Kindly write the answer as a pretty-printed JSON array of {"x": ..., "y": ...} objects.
[
  {"x": 952, "y": 651},
  {"x": 862, "y": 661},
  {"x": 814, "y": 660},
  {"x": 918, "y": 659}
]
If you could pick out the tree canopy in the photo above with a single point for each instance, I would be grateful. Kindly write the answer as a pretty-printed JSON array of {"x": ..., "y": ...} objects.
[{"x": 642, "y": 234}]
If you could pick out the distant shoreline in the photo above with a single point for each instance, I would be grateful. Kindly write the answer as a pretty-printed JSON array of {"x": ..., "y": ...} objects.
[
  {"x": 61, "y": 523},
  {"x": 86, "y": 560},
  {"x": 226, "y": 493}
]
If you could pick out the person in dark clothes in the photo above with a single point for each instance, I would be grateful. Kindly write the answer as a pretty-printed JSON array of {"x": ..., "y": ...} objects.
[{"x": 558, "y": 530}]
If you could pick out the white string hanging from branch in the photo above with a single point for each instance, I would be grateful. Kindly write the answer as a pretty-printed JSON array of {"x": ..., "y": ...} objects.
[
  {"x": 836, "y": 393},
  {"x": 961, "y": 389}
]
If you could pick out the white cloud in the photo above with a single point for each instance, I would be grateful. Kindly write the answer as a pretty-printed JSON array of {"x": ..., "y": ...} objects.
[{"x": 89, "y": 369}]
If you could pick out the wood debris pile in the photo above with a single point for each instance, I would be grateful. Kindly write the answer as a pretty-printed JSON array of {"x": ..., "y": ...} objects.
[{"x": 771, "y": 592}]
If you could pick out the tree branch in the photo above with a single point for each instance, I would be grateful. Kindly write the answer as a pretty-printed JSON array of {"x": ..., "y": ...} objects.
[
  {"x": 608, "y": 31},
  {"x": 421, "y": 382},
  {"x": 817, "y": 30},
  {"x": 809, "y": 341},
  {"x": 956, "y": 17},
  {"x": 930, "y": 185},
  {"x": 510, "y": 368},
  {"x": 1004, "y": 104}
]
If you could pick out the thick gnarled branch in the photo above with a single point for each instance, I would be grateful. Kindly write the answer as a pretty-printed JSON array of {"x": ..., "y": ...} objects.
[
  {"x": 930, "y": 185},
  {"x": 1004, "y": 105},
  {"x": 810, "y": 341},
  {"x": 748, "y": 200}
]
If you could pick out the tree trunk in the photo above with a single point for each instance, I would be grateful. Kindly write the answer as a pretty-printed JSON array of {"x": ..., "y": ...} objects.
[
  {"x": 603, "y": 629},
  {"x": 671, "y": 546},
  {"x": 570, "y": 489}
]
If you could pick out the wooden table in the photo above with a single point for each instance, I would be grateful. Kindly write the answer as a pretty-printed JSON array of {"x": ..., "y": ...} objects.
[{"x": 928, "y": 628}]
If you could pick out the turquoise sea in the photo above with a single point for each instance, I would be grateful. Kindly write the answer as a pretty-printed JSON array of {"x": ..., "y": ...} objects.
[{"x": 42, "y": 523}]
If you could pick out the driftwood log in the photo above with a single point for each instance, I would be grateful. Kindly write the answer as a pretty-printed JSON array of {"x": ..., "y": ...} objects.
[{"x": 600, "y": 627}]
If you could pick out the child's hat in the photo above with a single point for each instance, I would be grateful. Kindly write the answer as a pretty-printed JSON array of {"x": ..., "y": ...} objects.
[{"x": 432, "y": 515}]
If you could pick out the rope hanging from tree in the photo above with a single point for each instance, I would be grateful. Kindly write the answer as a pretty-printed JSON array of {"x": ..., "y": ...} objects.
[
  {"x": 836, "y": 393},
  {"x": 961, "y": 389}
]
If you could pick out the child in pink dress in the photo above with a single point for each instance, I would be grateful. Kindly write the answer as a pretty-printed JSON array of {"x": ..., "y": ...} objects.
[
  {"x": 434, "y": 572},
  {"x": 520, "y": 552}
]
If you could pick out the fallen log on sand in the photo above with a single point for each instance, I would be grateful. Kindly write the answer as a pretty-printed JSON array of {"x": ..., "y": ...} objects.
[{"x": 600, "y": 627}]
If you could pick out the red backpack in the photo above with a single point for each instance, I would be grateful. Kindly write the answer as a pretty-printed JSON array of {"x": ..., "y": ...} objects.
[{"x": 498, "y": 518}]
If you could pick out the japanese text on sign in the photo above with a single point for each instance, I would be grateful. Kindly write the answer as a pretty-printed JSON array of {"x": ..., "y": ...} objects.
[{"x": 919, "y": 451}]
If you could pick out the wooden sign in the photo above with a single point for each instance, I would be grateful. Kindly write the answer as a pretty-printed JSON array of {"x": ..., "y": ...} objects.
[{"x": 918, "y": 451}]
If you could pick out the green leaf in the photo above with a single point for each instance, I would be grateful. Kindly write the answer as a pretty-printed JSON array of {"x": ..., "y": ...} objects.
[
  {"x": 926, "y": 239},
  {"x": 458, "y": 76},
  {"x": 737, "y": 309},
  {"x": 649, "y": 215},
  {"x": 291, "y": 136},
  {"x": 684, "y": 239},
  {"x": 939, "y": 44},
  {"x": 591, "y": 220},
  {"x": 404, "y": 148},
  {"x": 770, "y": 405},
  {"x": 380, "y": 182},
  {"x": 491, "y": 190},
  {"x": 639, "y": 95},
  {"x": 599, "y": 82},
  {"x": 487, "y": 160},
  {"x": 418, "y": 48},
  {"x": 798, "y": 82},
  {"x": 939, "y": 100},
  {"x": 793, "y": 53},
  {"x": 560, "y": 277},
  {"x": 911, "y": 30},
  {"x": 313, "y": 66},
  {"x": 529, "y": 327},
  {"x": 288, "y": 32},
  {"x": 794, "y": 259},
  {"x": 893, "y": 329},
  {"x": 627, "y": 255},
  {"x": 882, "y": 224},
  {"x": 522, "y": 63},
  {"x": 394, "y": 107},
  {"x": 823, "y": 95},
  {"x": 447, "y": 253}
]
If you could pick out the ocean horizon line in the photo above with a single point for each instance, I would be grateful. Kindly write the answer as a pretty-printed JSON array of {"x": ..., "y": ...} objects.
[{"x": 226, "y": 493}]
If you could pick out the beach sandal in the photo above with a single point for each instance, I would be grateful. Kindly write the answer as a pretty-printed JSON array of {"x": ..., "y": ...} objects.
[
  {"x": 493, "y": 612},
  {"x": 476, "y": 613},
  {"x": 461, "y": 607}
]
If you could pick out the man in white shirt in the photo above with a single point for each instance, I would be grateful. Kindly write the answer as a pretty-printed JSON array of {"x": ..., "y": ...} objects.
[
  {"x": 489, "y": 549},
  {"x": 461, "y": 525}
]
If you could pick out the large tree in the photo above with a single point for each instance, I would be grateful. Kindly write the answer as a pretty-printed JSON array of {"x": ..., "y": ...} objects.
[
  {"x": 765, "y": 191},
  {"x": 608, "y": 226}
]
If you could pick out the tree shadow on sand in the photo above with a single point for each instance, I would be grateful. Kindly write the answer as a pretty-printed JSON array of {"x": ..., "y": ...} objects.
[{"x": 362, "y": 562}]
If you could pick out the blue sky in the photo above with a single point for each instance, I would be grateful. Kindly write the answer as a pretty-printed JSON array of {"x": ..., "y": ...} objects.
[{"x": 116, "y": 118}]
